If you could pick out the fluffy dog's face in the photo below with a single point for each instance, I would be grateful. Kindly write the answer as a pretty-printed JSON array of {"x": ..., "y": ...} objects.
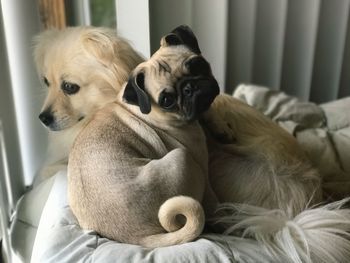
[
  {"x": 176, "y": 82},
  {"x": 80, "y": 68}
]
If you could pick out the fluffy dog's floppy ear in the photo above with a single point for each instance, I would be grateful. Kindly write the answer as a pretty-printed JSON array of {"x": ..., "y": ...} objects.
[
  {"x": 182, "y": 35},
  {"x": 100, "y": 43},
  {"x": 134, "y": 93}
]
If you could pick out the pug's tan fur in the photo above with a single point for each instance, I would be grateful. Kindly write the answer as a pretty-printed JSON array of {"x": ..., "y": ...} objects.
[
  {"x": 131, "y": 174},
  {"x": 96, "y": 60}
]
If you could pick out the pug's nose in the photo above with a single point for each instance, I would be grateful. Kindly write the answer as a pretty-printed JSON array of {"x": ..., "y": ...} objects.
[{"x": 46, "y": 118}]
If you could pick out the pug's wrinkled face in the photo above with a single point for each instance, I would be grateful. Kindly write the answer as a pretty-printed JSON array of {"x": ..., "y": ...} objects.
[{"x": 176, "y": 82}]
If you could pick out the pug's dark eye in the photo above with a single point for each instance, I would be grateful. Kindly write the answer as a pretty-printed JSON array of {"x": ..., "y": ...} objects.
[
  {"x": 69, "y": 88},
  {"x": 167, "y": 101},
  {"x": 46, "y": 81}
]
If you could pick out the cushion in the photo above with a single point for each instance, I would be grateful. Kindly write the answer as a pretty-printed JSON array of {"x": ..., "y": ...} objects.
[{"x": 60, "y": 239}]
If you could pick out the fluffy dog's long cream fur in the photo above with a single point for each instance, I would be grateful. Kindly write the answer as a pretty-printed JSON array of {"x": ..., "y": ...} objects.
[
  {"x": 96, "y": 60},
  {"x": 266, "y": 165},
  {"x": 270, "y": 188}
]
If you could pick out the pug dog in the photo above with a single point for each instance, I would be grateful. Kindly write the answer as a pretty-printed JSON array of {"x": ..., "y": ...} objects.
[{"x": 138, "y": 171}]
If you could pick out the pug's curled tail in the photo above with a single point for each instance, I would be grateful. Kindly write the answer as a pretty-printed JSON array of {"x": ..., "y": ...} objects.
[{"x": 170, "y": 213}]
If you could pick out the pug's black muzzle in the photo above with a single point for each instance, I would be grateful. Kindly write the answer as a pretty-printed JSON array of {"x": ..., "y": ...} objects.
[{"x": 196, "y": 95}]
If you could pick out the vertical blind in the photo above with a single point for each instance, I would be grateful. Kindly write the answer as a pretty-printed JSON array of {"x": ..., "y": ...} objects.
[{"x": 299, "y": 46}]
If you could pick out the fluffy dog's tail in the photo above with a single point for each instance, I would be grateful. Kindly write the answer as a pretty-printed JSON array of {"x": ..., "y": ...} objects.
[
  {"x": 318, "y": 234},
  {"x": 182, "y": 217}
]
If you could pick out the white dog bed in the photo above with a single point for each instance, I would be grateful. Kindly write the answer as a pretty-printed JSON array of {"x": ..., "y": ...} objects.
[
  {"x": 60, "y": 239},
  {"x": 323, "y": 131}
]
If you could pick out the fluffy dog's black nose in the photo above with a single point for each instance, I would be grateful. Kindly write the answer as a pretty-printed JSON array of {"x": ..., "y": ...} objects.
[{"x": 46, "y": 118}]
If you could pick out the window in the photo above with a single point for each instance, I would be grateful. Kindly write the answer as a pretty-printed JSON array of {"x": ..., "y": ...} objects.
[
  {"x": 103, "y": 13},
  {"x": 90, "y": 12}
]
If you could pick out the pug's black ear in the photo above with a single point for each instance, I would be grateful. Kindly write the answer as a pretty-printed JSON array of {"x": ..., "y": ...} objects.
[
  {"x": 187, "y": 38},
  {"x": 172, "y": 40},
  {"x": 135, "y": 94}
]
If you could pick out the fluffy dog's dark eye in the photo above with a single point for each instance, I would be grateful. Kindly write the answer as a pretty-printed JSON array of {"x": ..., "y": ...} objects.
[
  {"x": 167, "y": 101},
  {"x": 69, "y": 88},
  {"x": 46, "y": 81}
]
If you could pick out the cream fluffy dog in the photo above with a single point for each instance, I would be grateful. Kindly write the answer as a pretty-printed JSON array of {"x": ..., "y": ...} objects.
[
  {"x": 83, "y": 68},
  {"x": 138, "y": 166}
]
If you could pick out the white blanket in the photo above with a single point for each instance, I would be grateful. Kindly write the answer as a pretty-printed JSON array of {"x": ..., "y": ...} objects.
[{"x": 323, "y": 131}]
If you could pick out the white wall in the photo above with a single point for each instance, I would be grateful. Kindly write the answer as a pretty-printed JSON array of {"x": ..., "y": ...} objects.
[{"x": 133, "y": 23}]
